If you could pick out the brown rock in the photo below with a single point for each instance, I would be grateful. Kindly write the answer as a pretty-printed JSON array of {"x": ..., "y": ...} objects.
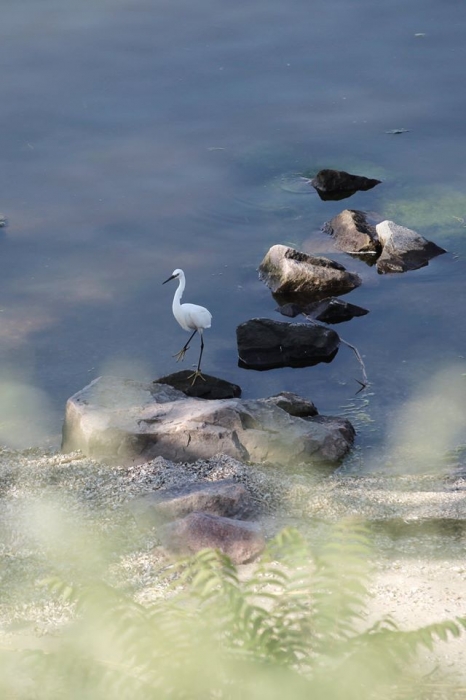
[
  {"x": 353, "y": 233},
  {"x": 287, "y": 271},
  {"x": 225, "y": 497},
  {"x": 240, "y": 540}
]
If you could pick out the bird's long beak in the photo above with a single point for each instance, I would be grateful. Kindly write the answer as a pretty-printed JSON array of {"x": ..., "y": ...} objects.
[{"x": 170, "y": 278}]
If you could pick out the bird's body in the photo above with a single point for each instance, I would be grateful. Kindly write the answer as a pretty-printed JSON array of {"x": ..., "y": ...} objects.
[{"x": 191, "y": 317}]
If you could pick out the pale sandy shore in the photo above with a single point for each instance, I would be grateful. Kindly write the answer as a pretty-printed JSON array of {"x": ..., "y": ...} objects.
[{"x": 50, "y": 503}]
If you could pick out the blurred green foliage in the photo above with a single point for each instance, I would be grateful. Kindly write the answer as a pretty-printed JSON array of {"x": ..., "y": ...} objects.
[{"x": 294, "y": 625}]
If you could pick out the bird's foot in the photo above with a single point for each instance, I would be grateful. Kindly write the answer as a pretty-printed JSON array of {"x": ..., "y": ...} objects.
[
  {"x": 180, "y": 355},
  {"x": 195, "y": 375}
]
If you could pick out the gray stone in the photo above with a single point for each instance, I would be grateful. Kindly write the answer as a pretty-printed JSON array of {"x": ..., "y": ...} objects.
[
  {"x": 129, "y": 421},
  {"x": 241, "y": 541},
  {"x": 211, "y": 388},
  {"x": 340, "y": 425},
  {"x": 289, "y": 272},
  {"x": 266, "y": 344},
  {"x": 353, "y": 233},
  {"x": 293, "y": 404},
  {"x": 331, "y": 310},
  {"x": 403, "y": 249},
  {"x": 224, "y": 497},
  {"x": 338, "y": 184}
]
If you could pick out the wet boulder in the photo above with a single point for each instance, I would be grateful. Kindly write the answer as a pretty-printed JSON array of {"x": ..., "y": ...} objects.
[
  {"x": 331, "y": 310},
  {"x": 288, "y": 272},
  {"x": 225, "y": 497},
  {"x": 403, "y": 249},
  {"x": 241, "y": 541},
  {"x": 211, "y": 388},
  {"x": 338, "y": 184},
  {"x": 125, "y": 421},
  {"x": 353, "y": 233},
  {"x": 265, "y": 344}
]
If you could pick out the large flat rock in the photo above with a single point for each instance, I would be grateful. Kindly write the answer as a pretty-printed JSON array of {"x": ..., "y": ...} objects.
[{"x": 129, "y": 421}]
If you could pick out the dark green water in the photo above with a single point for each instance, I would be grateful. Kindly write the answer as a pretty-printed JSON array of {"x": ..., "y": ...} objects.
[{"x": 137, "y": 137}]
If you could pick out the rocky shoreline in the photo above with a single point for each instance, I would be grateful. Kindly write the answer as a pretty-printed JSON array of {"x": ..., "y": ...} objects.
[{"x": 47, "y": 497}]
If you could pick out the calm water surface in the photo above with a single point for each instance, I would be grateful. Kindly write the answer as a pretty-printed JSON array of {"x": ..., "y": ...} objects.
[{"x": 137, "y": 137}]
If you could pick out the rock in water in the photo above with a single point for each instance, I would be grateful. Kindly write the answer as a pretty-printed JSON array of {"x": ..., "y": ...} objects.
[
  {"x": 288, "y": 272},
  {"x": 353, "y": 233},
  {"x": 211, "y": 388},
  {"x": 125, "y": 421},
  {"x": 330, "y": 310},
  {"x": 338, "y": 184},
  {"x": 266, "y": 344},
  {"x": 403, "y": 249}
]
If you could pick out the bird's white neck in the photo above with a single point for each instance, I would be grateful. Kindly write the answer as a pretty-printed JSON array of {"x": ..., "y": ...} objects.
[{"x": 179, "y": 293}]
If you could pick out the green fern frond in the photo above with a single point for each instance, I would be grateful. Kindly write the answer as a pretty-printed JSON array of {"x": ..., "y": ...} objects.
[{"x": 294, "y": 627}]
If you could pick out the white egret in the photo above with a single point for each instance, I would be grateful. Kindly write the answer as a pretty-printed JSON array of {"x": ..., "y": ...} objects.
[{"x": 191, "y": 317}]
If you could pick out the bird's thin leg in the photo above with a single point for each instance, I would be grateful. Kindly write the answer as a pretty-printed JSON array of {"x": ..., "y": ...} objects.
[
  {"x": 180, "y": 355},
  {"x": 197, "y": 373}
]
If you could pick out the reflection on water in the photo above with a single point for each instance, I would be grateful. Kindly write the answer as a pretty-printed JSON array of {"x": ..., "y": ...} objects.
[{"x": 138, "y": 137}]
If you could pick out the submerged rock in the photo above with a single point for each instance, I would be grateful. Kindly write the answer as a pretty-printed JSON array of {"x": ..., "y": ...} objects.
[
  {"x": 353, "y": 233},
  {"x": 128, "y": 421},
  {"x": 266, "y": 344},
  {"x": 211, "y": 388},
  {"x": 338, "y": 184},
  {"x": 241, "y": 541},
  {"x": 403, "y": 249},
  {"x": 224, "y": 497},
  {"x": 330, "y": 310},
  {"x": 287, "y": 272}
]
